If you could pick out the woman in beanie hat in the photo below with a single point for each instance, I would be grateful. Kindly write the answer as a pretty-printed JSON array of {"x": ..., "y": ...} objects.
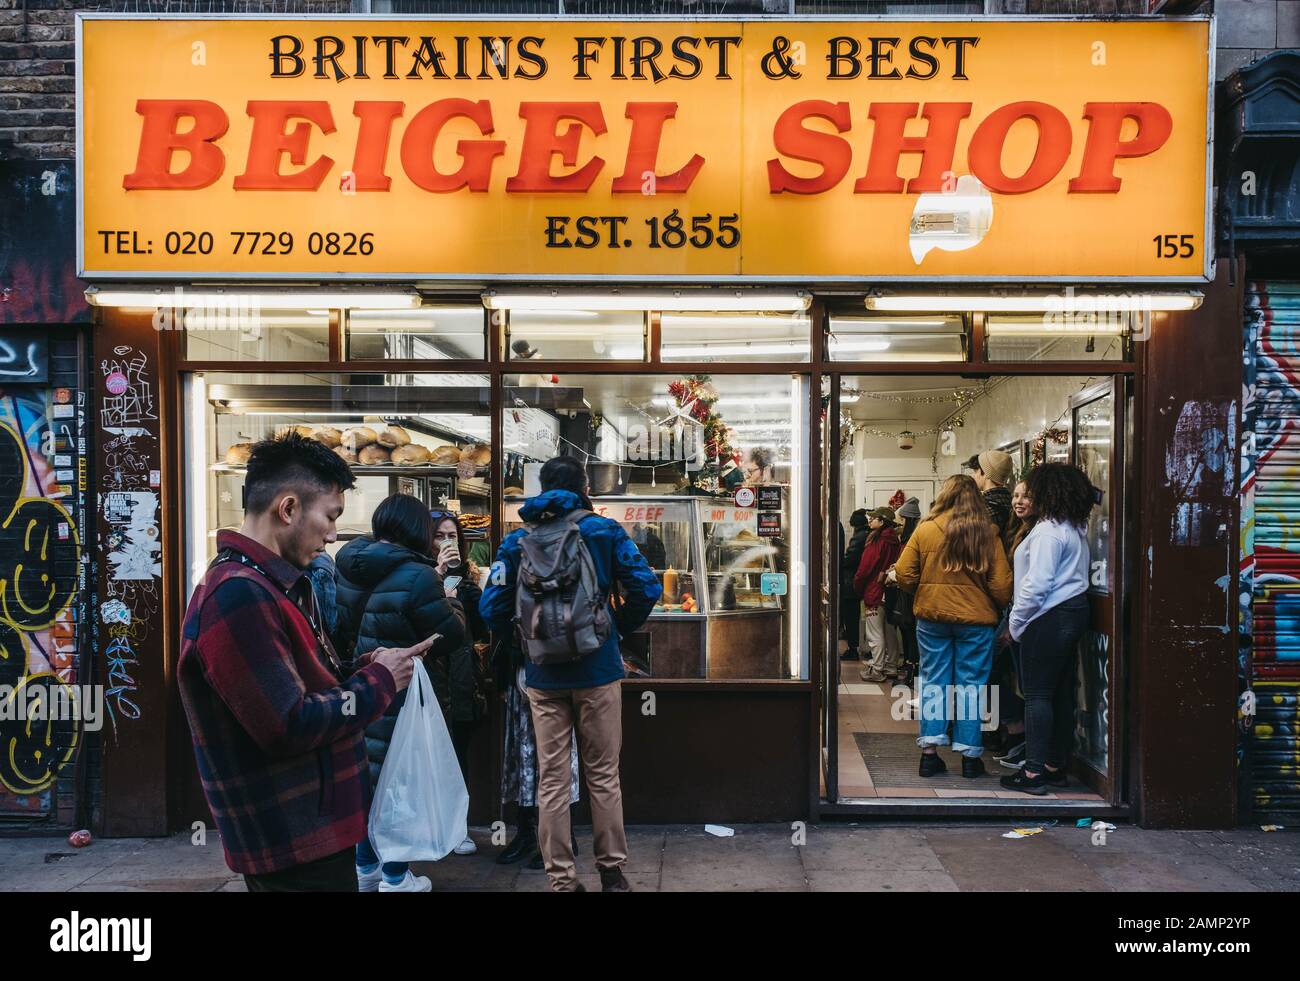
[
  {"x": 898, "y": 603},
  {"x": 880, "y": 553},
  {"x": 993, "y": 472}
]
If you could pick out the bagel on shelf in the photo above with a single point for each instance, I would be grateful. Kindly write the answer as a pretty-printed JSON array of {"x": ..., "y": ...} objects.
[
  {"x": 410, "y": 453},
  {"x": 346, "y": 453},
  {"x": 328, "y": 435},
  {"x": 358, "y": 436},
  {"x": 239, "y": 453},
  {"x": 393, "y": 437},
  {"x": 480, "y": 454},
  {"x": 372, "y": 455},
  {"x": 445, "y": 456}
]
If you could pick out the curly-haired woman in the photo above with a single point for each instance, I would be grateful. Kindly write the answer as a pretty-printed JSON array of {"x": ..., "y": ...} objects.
[{"x": 1049, "y": 616}]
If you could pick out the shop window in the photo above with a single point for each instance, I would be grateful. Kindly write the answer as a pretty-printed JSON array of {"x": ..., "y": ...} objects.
[
  {"x": 929, "y": 337},
  {"x": 752, "y": 336},
  {"x": 428, "y": 333},
  {"x": 1096, "y": 336},
  {"x": 239, "y": 331},
  {"x": 707, "y": 475},
  {"x": 429, "y": 437},
  {"x": 575, "y": 335}
]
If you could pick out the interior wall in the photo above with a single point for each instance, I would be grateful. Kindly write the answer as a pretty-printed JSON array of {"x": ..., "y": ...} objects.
[{"x": 1018, "y": 409}]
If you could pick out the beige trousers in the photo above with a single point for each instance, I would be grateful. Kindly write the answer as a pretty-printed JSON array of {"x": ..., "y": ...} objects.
[{"x": 597, "y": 714}]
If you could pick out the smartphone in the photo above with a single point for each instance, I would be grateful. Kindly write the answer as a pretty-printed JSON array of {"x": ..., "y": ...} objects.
[{"x": 451, "y": 582}]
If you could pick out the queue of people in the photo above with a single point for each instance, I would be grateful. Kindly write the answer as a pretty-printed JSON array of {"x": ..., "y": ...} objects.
[
  {"x": 294, "y": 667},
  {"x": 990, "y": 587}
]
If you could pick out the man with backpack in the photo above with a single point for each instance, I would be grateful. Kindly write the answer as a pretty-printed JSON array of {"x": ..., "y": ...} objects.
[{"x": 553, "y": 583}]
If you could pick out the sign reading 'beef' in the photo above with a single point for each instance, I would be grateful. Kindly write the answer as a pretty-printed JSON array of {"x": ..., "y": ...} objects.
[{"x": 571, "y": 149}]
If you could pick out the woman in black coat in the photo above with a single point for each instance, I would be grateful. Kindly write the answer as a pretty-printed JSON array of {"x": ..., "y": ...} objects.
[
  {"x": 461, "y": 677},
  {"x": 850, "y": 601},
  {"x": 390, "y": 594}
]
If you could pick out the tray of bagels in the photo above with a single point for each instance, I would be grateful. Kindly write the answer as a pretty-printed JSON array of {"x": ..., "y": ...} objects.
[{"x": 383, "y": 446}]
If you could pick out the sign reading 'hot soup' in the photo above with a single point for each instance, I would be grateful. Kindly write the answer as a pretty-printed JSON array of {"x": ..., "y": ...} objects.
[{"x": 644, "y": 149}]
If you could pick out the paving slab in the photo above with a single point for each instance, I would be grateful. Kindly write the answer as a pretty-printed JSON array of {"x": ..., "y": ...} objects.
[
  {"x": 881, "y": 881},
  {"x": 981, "y": 860},
  {"x": 868, "y": 849},
  {"x": 756, "y": 858},
  {"x": 1131, "y": 872}
]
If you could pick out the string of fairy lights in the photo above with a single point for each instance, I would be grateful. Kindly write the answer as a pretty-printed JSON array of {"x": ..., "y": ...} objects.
[{"x": 963, "y": 399}]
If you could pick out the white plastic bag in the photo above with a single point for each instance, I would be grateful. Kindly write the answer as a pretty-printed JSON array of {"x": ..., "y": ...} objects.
[{"x": 421, "y": 804}]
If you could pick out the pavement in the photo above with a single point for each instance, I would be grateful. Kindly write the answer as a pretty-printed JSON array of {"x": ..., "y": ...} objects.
[{"x": 833, "y": 857}]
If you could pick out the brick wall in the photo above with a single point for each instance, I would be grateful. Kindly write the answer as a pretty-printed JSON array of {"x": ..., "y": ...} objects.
[
  {"x": 37, "y": 64},
  {"x": 1251, "y": 29},
  {"x": 37, "y": 82}
]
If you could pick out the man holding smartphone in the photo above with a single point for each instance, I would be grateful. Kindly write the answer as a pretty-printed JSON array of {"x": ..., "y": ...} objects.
[{"x": 275, "y": 718}]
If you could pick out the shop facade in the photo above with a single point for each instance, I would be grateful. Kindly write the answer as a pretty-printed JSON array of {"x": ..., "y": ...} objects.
[{"x": 756, "y": 237}]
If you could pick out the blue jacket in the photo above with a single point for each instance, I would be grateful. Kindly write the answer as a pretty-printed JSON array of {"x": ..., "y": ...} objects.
[{"x": 615, "y": 557}]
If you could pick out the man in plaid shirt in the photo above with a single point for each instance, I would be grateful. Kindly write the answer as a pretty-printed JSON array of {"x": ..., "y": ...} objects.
[{"x": 277, "y": 723}]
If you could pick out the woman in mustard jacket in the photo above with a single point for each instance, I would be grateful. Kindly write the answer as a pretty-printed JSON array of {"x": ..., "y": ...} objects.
[{"x": 957, "y": 568}]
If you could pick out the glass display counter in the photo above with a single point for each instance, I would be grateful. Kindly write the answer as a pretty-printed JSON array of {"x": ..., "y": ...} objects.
[{"x": 724, "y": 604}]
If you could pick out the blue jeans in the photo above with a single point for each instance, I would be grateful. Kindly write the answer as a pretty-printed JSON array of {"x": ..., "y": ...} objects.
[
  {"x": 955, "y": 662},
  {"x": 367, "y": 859}
]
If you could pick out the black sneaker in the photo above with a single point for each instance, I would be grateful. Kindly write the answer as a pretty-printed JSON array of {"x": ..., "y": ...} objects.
[
  {"x": 1026, "y": 785},
  {"x": 972, "y": 767},
  {"x": 850, "y": 655},
  {"x": 1014, "y": 759},
  {"x": 932, "y": 764},
  {"x": 1057, "y": 778}
]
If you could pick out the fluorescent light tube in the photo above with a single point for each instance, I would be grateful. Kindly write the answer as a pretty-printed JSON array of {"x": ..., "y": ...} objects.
[
  {"x": 1035, "y": 303},
  {"x": 684, "y": 300},
  {"x": 220, "y": 299}
]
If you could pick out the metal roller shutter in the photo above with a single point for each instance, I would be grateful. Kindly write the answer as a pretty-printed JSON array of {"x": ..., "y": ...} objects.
[{"x": 1271, "y": 550}]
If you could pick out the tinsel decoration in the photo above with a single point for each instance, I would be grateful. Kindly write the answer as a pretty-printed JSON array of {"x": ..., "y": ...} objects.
[
  {"x": 1039, "y": 449},
  {"x": 696, "y": 395}
]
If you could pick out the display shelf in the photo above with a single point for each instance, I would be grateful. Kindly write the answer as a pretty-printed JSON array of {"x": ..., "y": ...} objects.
[{"x": 374, "y": 469}]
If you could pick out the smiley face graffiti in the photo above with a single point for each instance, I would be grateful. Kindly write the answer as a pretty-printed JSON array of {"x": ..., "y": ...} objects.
[
  {"x": 32, "y": 750},
  {"x": 39, "y": 556},
  {"x": 39, "y": 549}
]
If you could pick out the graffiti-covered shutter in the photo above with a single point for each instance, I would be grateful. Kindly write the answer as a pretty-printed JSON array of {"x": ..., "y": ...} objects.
[
  {"x": 49, "y": 712},
  {"x": 1271, "y": 551}
]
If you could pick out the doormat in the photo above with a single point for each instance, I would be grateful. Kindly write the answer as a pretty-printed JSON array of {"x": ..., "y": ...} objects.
[{"x": 892, "y": 759}]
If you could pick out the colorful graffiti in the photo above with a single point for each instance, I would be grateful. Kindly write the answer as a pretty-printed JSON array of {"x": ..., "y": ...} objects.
[
  {"x": 130, "y": 541},
  {"x": 1269, "y": 580},
  {"x": 40, "y": 570}
]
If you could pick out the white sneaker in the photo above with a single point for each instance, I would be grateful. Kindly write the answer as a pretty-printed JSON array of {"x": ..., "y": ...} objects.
[
  {"x": 410, "y": 883},
  {"x": 466, "y": 847},
  {"x": 369, "y": 881}
]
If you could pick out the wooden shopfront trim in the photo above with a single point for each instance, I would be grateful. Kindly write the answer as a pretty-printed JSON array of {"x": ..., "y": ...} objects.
[{"x": 818, "y": 370}]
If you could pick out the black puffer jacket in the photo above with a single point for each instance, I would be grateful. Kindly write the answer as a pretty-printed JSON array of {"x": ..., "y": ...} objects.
[
  {"x": 851, "y": 560},
  {"x": 406, "y": 604},
  {"x": 466, "y": 676}
]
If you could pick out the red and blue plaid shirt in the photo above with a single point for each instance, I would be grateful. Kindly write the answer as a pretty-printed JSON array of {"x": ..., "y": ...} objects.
[{"x": 277, "y": 735}]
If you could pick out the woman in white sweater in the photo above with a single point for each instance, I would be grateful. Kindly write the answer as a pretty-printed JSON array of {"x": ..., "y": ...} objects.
[{"x": 1048, "y": 617}]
